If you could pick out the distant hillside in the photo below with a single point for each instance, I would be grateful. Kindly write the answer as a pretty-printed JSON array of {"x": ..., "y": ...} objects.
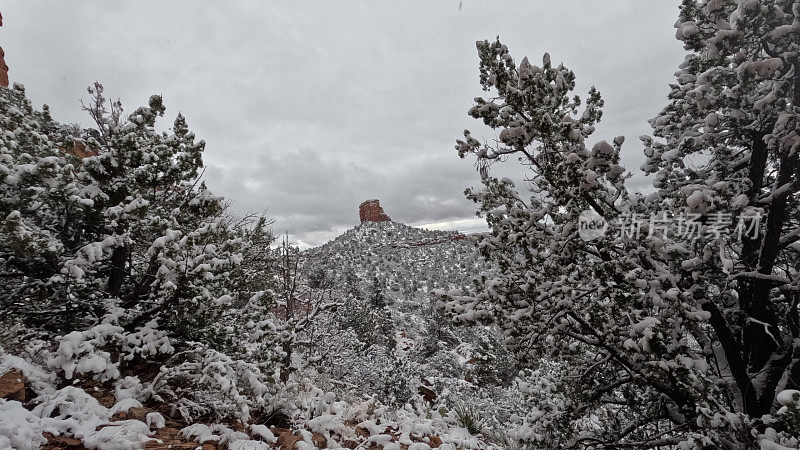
[
  {"x": 409, "y": 261},
  {"x": 388, "y": 338}
]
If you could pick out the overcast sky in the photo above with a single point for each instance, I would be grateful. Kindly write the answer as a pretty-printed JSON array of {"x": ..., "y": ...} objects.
[{"x": 310, "y": 108}]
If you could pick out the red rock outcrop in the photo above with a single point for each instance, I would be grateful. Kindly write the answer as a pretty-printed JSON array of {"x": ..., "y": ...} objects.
[
  {"x": 79, "y": 149},
  {"x": 3, "y": 66},
  {"x": 12, "y": 386},
  {"x": 371, "y": 211}
]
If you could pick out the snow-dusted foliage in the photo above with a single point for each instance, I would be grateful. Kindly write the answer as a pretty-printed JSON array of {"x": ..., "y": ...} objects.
[
  {"x": 385, "y": 331},
  {"x": 69, "y": 411},
  {"x": 222, "y": 388},
  {"x": 129, "y": 288},
  {"x": 387, "y": 339},
  {"x": 134, "y": 307},
  {"x": 115, "y": 256},
  {"x": 645, "y": 337},
  {"x": 127, "y": 226},
  {"x": 407, "y": 261}
]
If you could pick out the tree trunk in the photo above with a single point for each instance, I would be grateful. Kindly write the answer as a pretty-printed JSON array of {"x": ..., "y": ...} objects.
[{"x": 117, "y": 274}]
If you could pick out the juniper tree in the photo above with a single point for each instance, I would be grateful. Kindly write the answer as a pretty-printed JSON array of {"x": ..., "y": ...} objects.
[
  {"x": 729, "y": 145},
  {"x": 649, "y": 339},
  {"x": 110, "y": 241}
]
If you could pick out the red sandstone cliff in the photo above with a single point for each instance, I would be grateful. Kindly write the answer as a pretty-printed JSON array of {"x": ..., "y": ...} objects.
[{"x": 3, "y": 66}]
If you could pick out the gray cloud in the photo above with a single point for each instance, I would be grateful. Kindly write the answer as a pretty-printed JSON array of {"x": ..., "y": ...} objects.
[{"x": 309, "y": 108}]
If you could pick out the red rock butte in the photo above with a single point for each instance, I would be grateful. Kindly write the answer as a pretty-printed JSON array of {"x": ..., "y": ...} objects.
[
  {"x": 371, "y": 211},
  {"x": 3, "y": 66}
]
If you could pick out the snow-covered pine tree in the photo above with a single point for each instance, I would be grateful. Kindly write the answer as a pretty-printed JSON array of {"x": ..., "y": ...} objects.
[
  {"x": 109, "y": 241},
  {"x": 47, "y": 212},
  {"x": 730, "y": 141},
  {"x": 128, "y": 225},
  {"x": 647, "y": 339},
  {"x": 547, "y": 297},
  {"x": 161, "y": 244}
]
